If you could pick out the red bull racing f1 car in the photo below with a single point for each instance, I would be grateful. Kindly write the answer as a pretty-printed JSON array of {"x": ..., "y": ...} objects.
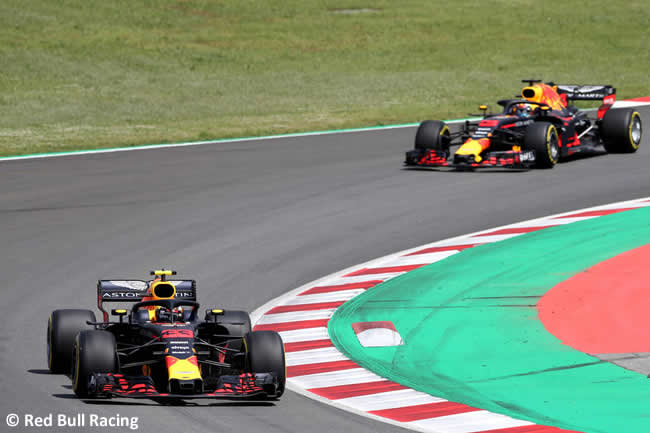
[
  {"x": 536, "y": 130},
  {"x": 161, "y": 348}
]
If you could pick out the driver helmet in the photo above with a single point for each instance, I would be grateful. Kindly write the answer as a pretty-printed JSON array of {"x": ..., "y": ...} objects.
[
  {"x": 522, "y": 110},
  {"x": 164, "y": 314},
  {"x": 178, "y": 314}
]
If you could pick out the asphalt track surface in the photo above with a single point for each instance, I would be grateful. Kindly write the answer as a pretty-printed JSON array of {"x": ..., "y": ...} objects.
[{"x": 250, "y": 221}]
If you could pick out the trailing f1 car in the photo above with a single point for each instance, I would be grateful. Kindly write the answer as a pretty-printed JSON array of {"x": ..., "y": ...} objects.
[
  {"x": 536, "y": 131},
  {"x": 160, "y": 348}
]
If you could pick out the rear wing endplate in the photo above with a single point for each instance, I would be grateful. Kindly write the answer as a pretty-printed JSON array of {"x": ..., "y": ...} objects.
[
  {"x": 604, "y": 93},
  {"x": 134, "y": 290}
]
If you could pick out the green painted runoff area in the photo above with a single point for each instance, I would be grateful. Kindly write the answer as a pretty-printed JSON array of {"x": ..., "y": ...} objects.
[{"x": 472, "y": 335}]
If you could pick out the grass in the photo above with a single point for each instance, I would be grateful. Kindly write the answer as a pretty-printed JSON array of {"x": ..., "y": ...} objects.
[{"x": 82, "y": 74}]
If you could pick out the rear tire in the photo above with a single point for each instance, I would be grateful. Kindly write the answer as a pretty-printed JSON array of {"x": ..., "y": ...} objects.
[
  {"x": 62, "y": 328},
  {"x": 621, "y": 131},
  {"x": 433, "y": 134},
  {"x": 265, "y": 354},
  {"x": 542, "y": 137},
  {"x": 93, "y": 352}
]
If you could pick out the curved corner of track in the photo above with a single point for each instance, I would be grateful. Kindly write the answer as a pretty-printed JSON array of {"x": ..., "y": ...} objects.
[{"x": 434, "y": 377}]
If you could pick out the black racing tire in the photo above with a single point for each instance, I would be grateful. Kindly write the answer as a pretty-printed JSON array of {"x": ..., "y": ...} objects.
[
  {"x": 433, "y": 134},
  {"x": 265, "y": 354},
  {"x": 543, "y": 138},
  {"x": 621, "y": 131},
  {"x": 93, "y": 352},
  {"x": 62, "y": 328},
  {"x": 238, "y": 323}
]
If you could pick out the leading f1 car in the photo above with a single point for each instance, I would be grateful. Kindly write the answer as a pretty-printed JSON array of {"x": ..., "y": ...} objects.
[
  {"x": 536, "y": 130},
  {"x": 161, "y": 348}
]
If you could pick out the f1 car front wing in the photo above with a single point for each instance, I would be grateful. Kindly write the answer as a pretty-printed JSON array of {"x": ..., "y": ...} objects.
[
  {"x": 246, "y": 385},
  {"x": 505, "y": 159}
]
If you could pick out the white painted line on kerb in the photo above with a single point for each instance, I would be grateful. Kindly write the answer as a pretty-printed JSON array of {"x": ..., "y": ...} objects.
[
  {"x": 389, "y": 400},
  {"x": 338, "y": 296}
]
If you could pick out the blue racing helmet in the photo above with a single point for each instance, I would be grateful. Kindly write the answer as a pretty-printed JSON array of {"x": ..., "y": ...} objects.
[{"x": 522, "y": 110}]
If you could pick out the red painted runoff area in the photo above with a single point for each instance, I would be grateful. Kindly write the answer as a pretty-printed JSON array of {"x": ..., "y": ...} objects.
[{"x": 605, "y": 309}]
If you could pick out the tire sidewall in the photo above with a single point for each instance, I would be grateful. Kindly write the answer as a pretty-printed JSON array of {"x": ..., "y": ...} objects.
[
  {"x": 62, "y": 328},
  {"x": 93, "y": 352},
  {"x": 553, "y": 140},
  {"x": 433, "y": 134},
  {"x": 634, "y": 116},
  {"x": 543, "y": 137},
  {"x": 616, "y": 131},
  {"x": 265, "y": 354}
]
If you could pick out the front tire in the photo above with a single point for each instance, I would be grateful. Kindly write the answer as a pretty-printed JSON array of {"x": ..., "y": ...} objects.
[
  {"x": 621, "y": 131},
  {"x": 62, "y": 328},
  {"x": 93, "y": 352},
  {"x": 237, "y": 323},
  {"x": 542, "y": 137},
  {"x": 433, "y": 134},
  {"x": 265, "y": 354}
]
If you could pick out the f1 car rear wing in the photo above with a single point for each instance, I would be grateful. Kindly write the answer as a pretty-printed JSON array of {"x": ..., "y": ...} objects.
[
  {"x": 135, "y": 290},
  {"x": 585, "y": 93},
  {"x": 604, "y": 93}
]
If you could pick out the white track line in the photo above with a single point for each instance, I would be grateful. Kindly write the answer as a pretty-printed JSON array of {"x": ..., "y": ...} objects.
[{"x": 617, "y": 104}]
